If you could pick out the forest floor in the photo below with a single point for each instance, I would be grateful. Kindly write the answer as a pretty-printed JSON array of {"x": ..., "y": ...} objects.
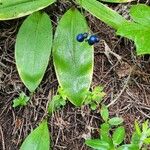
[{"x": 126, "y": 81}]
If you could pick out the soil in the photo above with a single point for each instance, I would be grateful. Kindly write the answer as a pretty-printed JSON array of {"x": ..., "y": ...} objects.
[{"x": 126, "y": 81}]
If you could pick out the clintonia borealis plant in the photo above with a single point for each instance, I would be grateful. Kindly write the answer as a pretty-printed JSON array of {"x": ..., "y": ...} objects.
[
  {"x": 73, "y": 60},
  {"x": 72, "y": 57}
]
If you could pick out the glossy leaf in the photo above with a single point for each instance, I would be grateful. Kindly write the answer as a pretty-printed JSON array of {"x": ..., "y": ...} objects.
[
  {"x": 118, "y": 135},
  {"x": 115, "y": 121},
  {"x": 38, "y": 139},
  {"x": 33, "y": 48},
  {"x": 139, "y": 30},
  {"x": 117, "y": 1},
  {"x": 73, "y": 60},
  {"x": 97, "y": 144},
  {"x": 102, "y": 12},
  {"x": 10, "y": 9}
]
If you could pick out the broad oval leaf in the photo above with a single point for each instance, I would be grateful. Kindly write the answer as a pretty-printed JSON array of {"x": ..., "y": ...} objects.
[
  {"x": 10, "y": 9},
  {"x": 97, "y": 144},
  {"x": 118, "y": 135},
  {"x": 73, "y": 60},
  {"x": 33, "y": 48},
  {"x": 38, "y": 139}
]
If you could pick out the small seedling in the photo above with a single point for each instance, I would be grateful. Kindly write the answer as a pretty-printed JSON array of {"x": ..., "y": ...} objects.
[
  {"x": 95, "y": 97},
  {"x": 58, "y": 101},
  {"x": 112, "y": 135},
  {"x": 108, "y": 141},
  {"x": 21, "y": 100},
  {"x": 141, "y": 136}
]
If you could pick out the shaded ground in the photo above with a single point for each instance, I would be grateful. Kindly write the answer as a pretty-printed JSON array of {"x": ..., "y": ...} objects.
[{"x": 126, "y": 81}]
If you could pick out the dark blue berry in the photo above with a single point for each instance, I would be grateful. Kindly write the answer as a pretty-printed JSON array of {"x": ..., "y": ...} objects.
[
  {"x": 80, "y": 37},
  {"x": 93, "y": 39}
]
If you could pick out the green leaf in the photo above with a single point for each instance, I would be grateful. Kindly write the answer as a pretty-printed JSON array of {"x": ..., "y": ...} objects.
[
  {"x": 10, "y": 9},
  {"x": 115, "y": 121},
  {"x": 137, "y": 128},
  {"x": 129, "y": 147},
  {"x": 98, "y": 94},
  {"x": 62, "y": 93},
  {"x": 97, "y": 144},
  {"x": 139, "y": 30},
  {"x": 135, "y": 138},
  {"x": 140, "y": 13},
  {"x": 102, "y": 12},
  {"x": 93, "y": 106},
  {"x": 73, "y": 61},
  {"x": 88, "y": 98},
  {"x": 55, "y": 104},
  {"x": 118, "y": 135},
  {"x": 104, "y": 113},
  {"x": 33, "y": 48},
  {"x": 117, "y": 1},
  {"x": 147, "y": 141},
  {"x": 38, "y": 139},
  {"x": 148, "y": 132},
  {"x": 21, "y": 100},
  {"x": 104, "y": 133},
  {"x": 145, "y": 126}
]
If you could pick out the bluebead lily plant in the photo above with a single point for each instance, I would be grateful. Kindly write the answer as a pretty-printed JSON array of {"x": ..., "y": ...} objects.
[{"x": 73, "y": 59}]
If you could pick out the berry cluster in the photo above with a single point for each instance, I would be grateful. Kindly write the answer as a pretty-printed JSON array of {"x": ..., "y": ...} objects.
[{"x": 91, "y": 40}]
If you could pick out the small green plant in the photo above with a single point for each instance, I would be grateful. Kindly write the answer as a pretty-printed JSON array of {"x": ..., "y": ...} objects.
[
  {"x": 108, "y": 141},
  {"x": 112, "y": 135},
  {"x": 95, "y": 97},
  {"x": 22, "y": 100},
  {"x": 58, "y": 101},
  {"x": 141, "y": 135}
]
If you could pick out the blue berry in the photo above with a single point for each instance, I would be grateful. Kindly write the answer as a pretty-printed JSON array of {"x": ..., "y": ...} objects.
[
  {"x": 93, "y": 39},
  {"x": 80, "y": 37}
]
